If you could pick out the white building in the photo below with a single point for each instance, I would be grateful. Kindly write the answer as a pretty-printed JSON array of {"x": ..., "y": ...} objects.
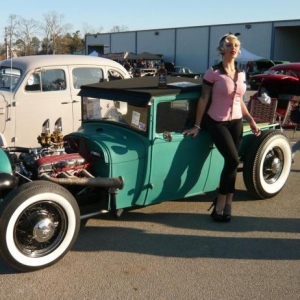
[{"x": 195, "y": 47}]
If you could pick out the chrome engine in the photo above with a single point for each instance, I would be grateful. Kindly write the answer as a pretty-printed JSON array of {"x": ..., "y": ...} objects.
[{"x": 52, "y": 162}]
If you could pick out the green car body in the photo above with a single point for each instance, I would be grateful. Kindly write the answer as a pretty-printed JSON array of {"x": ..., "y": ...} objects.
[
  {"x": 154, "y": 169},
  {"x": 5, "y": 163},
  {"x": 129, "y": 152}
]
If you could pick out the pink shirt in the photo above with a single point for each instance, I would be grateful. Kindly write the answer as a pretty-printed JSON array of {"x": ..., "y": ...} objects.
[{"x": 226, "y": 94}]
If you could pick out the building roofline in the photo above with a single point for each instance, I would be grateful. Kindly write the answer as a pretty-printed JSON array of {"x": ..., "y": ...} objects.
[{"x": 196, "y": 26}]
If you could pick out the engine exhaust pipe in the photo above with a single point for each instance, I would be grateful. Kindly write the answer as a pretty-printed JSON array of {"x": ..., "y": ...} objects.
[{"x": 114, "y": 182}]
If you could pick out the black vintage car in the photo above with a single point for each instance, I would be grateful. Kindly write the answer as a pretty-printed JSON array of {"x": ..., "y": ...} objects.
[{"x": 180, "y": 71}]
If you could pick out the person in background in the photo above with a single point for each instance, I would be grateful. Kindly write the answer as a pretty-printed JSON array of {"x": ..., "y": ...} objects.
[
  {"x": 139, "y": 64},
  {"x": 224, "y": 84},
  {"x": 150, "y": 64},
  {"x": 249, "y": 68},
  {"x": 127, "y": 65}
]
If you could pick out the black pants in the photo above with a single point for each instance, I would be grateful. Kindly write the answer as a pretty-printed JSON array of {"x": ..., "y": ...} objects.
[{"x": 227, "y": 137}]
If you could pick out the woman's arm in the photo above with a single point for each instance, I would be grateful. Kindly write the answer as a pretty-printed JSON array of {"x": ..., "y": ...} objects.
[
  {"x": 246, "y": 115},
  {"x": 201, "y": 106},
  {"x": 245, "y": 112},
  {"x": 202, "y": 103}
]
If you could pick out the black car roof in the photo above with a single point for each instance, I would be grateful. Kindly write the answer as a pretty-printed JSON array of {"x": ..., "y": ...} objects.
[{"x": 140, "y": 90}]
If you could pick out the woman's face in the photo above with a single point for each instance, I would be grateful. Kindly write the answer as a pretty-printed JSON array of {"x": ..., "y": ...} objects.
[{"x": 232, "y": 48}]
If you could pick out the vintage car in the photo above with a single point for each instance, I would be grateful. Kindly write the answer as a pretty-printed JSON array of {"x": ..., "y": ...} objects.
[
  {"x": 142, "y": 72},
  {"x": 129, "y": 152},
  {"x": 34, "y": 88},
  {"x": 186, "y": 72},
  {"x": 262, "y": 66},
  {"x": 281, "y": 83},
  {"x": 180, "y": 71}
]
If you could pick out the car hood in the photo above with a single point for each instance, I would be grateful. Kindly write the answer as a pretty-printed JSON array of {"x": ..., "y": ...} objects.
[
  {"x": 275, "y": 77},
  {"x": 117, "y": 144}
]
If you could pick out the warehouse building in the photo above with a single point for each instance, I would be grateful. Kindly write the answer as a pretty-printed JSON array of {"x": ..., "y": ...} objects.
[{"x": 195, "y": 47}]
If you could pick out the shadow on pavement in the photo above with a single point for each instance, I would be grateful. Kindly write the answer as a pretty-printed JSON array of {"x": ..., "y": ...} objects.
[{"x": 133, "y": 240}]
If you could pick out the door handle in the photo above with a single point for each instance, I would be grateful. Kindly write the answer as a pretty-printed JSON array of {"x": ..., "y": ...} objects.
[{"x": 68, "y": 102}]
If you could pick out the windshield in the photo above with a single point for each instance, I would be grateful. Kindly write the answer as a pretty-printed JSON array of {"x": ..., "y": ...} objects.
[
  {"x": 122, "y": 113},
  {"x": 288, "y": 72},
  {"x": 9, "y": 78},
  {"x": 182, "y": 70}
]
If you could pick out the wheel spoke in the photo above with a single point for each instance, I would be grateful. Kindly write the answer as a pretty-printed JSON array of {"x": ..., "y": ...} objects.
[
  {"x": 40, "y": 228},
  {"x": 272, "y": 167}
]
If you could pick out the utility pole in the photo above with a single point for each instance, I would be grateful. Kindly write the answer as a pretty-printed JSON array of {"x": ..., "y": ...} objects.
[{"x": 6, "y": 44}]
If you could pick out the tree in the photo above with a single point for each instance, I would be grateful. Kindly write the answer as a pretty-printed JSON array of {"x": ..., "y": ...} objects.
[
  {"x": 25, "y": 31},
  {"x": 2, "y": 52},
  {"x": 76, "y": 42},
  {"x": 88, "y": 29},
  {"x": 53, "y": 30},
  {"x": 119, "y": 28},
  {"x": 35, "y": 45},
  {"x": 51, "y": 36},
  {"x": 10, "y": 34}
]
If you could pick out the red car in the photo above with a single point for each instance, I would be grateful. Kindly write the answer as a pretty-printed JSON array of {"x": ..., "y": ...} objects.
[
  {"x": 280, "y": 83},
  {"x": 255, "y": 79},
  {"x": 262, "y": 66}
]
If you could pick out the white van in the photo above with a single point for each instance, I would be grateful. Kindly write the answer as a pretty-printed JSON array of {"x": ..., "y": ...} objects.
[{"x": 36, "y": 88}]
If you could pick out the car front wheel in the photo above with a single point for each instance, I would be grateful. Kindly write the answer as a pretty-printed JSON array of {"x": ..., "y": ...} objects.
[
  {"x": 267, "y": 165},
  {"x": 39, "y": 223}
]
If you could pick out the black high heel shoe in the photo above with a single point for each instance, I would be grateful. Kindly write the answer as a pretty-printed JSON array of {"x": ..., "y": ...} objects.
[
  {"x": 214, "y": 215},
  {"x": 227, "y": 213}
]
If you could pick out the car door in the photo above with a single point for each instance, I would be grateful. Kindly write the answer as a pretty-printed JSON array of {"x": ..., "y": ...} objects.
[
  {"x": 3, "y": 113},
  {"x": 180, "y": 166},
  {"x": 39, "y": 98},
  {"x": 4, "y": 120},
  {"x": 87, "y": 74},
  {"x": 9, "y": 79}
]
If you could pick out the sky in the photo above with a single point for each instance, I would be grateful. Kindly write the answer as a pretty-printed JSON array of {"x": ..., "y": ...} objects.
[{"x": 153, "y": 14}]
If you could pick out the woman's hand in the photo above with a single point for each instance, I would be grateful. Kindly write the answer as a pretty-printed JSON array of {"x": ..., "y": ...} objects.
[
  {"x": 192, "y": 131},
  {"x": 255, "y": 129}
]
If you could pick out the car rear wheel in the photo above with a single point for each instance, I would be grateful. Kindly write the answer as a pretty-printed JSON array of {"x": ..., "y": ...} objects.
[
  {"x": 267, "y": 165},
  {"x": 39, "y": 223}
]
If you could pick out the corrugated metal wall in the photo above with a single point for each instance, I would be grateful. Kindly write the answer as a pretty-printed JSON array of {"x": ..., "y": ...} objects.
[
  {"x": 121, "y": 41},
  {"x": 287, "y": 43},
  {"x": 195, "y": 47},
  {"x": 157, "y": 42},
  {"x": 192, "y": 48}
]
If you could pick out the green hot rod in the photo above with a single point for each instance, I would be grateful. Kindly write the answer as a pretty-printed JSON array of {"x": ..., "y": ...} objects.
[{"x": 129, "y": 152}]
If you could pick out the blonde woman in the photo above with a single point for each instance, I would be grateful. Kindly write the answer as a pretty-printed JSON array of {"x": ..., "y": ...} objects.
[{"x": 226, "y": 84}]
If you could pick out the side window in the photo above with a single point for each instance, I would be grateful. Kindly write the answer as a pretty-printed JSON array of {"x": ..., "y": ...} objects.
[
  {"x": 114, "y": 75},
  {"x": 87, "y": 75},
  {"x": 9, "y": 78},
  {"x": 53, "y": 80},
  {"x": 172, "y": 116},
  {"x": 33, "y": 83}
]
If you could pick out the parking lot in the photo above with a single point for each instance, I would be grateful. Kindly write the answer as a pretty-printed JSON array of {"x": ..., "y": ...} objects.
[{"x": 174, "y": 251}]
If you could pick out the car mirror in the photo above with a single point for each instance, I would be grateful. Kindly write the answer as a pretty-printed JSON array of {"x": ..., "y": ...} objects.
[{"x": 167, "y": 136}]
